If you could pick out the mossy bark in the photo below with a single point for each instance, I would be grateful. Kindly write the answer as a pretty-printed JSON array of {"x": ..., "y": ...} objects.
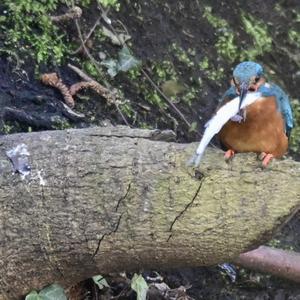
[{"x": 99, "y": 200}]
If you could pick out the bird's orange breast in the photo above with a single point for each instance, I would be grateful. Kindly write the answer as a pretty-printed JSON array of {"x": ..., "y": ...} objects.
[{"x": 263, "y": 130}]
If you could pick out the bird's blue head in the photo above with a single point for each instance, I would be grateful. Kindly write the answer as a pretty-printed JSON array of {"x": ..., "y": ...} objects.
[{"x": 245, "y": 77}]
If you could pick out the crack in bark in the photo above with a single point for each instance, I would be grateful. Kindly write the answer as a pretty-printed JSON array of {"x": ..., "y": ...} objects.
[
  {"x": 107, "y": 234},
  {"x": 185, "y": 209},
  {"x": 120, "y": 136},
  {"x": 123, "y": 197},
  {"x": 157, "y": 162},
  {"x": 155, "y": 135}
]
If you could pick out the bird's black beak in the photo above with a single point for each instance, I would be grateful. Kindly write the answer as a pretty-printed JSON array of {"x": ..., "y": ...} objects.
[{"x": 243, "y": 92}]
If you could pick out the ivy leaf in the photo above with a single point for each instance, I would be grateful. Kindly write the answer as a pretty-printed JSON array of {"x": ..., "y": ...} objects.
[
  {"x": 100, "y": 281},
  {"x": 193, "y": 127},
  {"x": 33, "y": 295},
  {"x": 112, "y": 66},
  {"x": 126, "y": 60},
  {"x": 53, "y": 292},
  {"x": 139, "y": 285}
]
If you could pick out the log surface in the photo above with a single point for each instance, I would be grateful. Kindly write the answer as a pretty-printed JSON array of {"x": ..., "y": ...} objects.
[{"x": 99, "y": 200}]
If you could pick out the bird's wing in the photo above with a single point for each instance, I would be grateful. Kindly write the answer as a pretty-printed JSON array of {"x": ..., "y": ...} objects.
[
  {"x": 283, "y": 103},
  {"x": 228, "y": 95}
]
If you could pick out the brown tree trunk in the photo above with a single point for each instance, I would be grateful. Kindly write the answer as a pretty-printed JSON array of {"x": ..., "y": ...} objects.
[{"x": 99, "y": 200}]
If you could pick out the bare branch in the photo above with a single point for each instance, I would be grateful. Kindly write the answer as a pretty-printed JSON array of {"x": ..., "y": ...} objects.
[{"x": 278, "y": 262}]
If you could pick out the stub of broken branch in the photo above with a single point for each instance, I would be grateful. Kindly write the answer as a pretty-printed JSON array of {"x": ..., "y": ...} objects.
[
  {"x": 73, "y": 13},
  {"x": 94, "y": 85},
  {"x": 110, "y": 95},
  {"x": 53, "y": 80}
]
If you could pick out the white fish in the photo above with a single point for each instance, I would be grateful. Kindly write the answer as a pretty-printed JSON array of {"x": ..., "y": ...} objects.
[{"x": 215, "y": 124}]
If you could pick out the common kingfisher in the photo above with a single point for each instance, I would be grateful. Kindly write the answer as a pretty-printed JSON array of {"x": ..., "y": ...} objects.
[{"x": 254, "y": 116}]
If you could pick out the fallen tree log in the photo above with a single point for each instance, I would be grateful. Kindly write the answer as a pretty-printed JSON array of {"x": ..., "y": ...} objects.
[{"x": 99, "y": 200}]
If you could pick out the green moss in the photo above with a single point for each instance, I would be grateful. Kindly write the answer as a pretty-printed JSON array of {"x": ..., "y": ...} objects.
[
  {"x": 127, "y": 109},
  {"x": 261, "y": 38},
  {"x": 215, "y": 21},
  {"x": 100, "y": 36},
  {"x": 165, "y": 70},
  {"x": 60, "y": 123},
  {"x": 212, "y": 73},
  {"x": 82, "y": 3},
  {"x": 144, "y": 125},
  {"x": 182, "y": 55},
  {"x": 154, "y": 98},
  {"x": 7, "y": 129},
  {"x": 294, "y": 37},
  {"x": 190, "y": 95},
  {"x": 90, "y": 68},
  {"x": 29, "y": 30},
  {"x": 225, "y": 44},
  {"x": 134, "y": 74},
  {"x": 110, "y": 3},
  {"x": 204, "y": 64}
]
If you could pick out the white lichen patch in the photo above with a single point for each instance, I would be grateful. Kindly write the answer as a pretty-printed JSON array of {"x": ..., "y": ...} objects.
[
  {"x": 19, "y": 156},
  {"x": 42, "y": 180}
]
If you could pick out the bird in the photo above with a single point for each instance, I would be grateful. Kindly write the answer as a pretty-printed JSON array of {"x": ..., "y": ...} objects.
[{"x": 254, "y": 116}]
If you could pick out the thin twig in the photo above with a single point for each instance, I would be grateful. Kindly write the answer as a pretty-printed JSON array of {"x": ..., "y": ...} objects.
[
  {"x": 89, "y": 82},
  {"x": 103, "y": 12},
  {"x": 88, "y": 36},
  {"x": 80, "y": 73},
  {"x": 166, "y": 98},
  {"x": 86, "y": 50},
  {"x": 124, "y": 27},
  {"x": 95, "y": 63},
  {"x": 148, "y": 77}
]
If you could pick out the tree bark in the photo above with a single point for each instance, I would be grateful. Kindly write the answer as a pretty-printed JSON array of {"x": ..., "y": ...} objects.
[{"x": 100, "y": 200}]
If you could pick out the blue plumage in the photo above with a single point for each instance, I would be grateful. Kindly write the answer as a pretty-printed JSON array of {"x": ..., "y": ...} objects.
[
  {"x": 283, "y": 103},
  {"x": 246, "y": 71},
  {"x": 248, "y": 118}
]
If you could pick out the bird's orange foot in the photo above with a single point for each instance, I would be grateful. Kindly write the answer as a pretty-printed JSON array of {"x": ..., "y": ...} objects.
[
  {"x": 229, "y": 154},
  {"x": 266, "y": 158}
]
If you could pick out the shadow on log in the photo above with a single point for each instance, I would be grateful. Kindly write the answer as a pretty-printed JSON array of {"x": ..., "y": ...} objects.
[{"x": 100, "y": 200}]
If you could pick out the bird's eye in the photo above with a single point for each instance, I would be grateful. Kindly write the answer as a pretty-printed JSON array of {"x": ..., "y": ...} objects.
[{"x": 256, "y": 80}]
